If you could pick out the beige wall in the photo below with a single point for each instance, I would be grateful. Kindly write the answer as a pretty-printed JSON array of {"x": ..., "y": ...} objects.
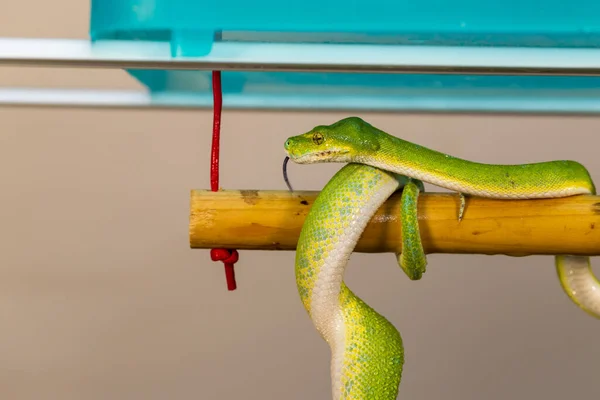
[{"x": 101, "y": 298}]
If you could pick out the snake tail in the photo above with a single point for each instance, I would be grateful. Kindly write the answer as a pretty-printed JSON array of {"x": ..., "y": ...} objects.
[
  {"x": 412, "y": 258},
  {"x": 367, "y": 353},
  {"x": 352, "y": 140}
]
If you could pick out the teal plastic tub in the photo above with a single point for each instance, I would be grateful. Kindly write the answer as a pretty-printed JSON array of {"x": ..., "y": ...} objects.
[{"x": 192, "y": 27}]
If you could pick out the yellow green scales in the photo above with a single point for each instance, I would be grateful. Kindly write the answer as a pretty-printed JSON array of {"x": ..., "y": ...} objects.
[{"x": 367, "y": 350}]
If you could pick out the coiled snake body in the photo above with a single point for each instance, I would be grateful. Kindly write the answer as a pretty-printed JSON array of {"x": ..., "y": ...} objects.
[{"x": 367, "y": 351}]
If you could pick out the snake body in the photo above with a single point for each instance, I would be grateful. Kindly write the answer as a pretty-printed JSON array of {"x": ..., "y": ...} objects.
[
  {"x": 362, "y": 341},
  {"x": 366, "y": 350}
]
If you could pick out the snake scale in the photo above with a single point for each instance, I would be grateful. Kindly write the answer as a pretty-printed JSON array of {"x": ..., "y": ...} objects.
[{"x": 367, "y": 354}]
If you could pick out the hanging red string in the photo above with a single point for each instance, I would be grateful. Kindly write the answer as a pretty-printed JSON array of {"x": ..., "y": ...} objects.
[{"x": 229, "y": 257}]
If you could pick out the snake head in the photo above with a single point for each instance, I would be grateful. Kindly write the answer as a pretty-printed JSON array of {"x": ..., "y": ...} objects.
[{"x": 344, "y": 141}]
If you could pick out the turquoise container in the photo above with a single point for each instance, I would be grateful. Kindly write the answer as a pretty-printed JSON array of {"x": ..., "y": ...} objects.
[{"x": 192, "y": 27}]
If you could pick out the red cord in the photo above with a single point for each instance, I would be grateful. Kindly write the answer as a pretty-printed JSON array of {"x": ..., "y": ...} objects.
[
  {"x": 229, "y": 257},
  {"x": 217, "y": 106}
]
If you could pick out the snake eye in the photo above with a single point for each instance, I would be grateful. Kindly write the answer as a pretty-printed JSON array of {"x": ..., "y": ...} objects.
[{"x": 318, "y": 138}]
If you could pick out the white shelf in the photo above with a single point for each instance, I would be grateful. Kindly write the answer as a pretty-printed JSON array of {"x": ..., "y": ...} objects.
[
  {"x": 550, "y": 102},
  {"x": 551, "y": 97},
  {"x": 359, "y": 58}
]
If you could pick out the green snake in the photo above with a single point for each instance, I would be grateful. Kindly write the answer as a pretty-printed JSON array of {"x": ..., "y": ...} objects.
[{"x": 367, "y": 354}]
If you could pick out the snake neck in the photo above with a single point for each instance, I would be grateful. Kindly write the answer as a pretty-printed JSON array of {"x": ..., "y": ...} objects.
[{"x": 518, "y": 181}]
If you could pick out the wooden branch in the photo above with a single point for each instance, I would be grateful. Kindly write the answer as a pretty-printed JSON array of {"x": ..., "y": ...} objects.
[{"x": 272, "y": 220}]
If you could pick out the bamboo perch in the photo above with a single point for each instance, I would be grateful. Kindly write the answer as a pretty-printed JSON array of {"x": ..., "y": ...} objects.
[{"x": 272, "y": 220}]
